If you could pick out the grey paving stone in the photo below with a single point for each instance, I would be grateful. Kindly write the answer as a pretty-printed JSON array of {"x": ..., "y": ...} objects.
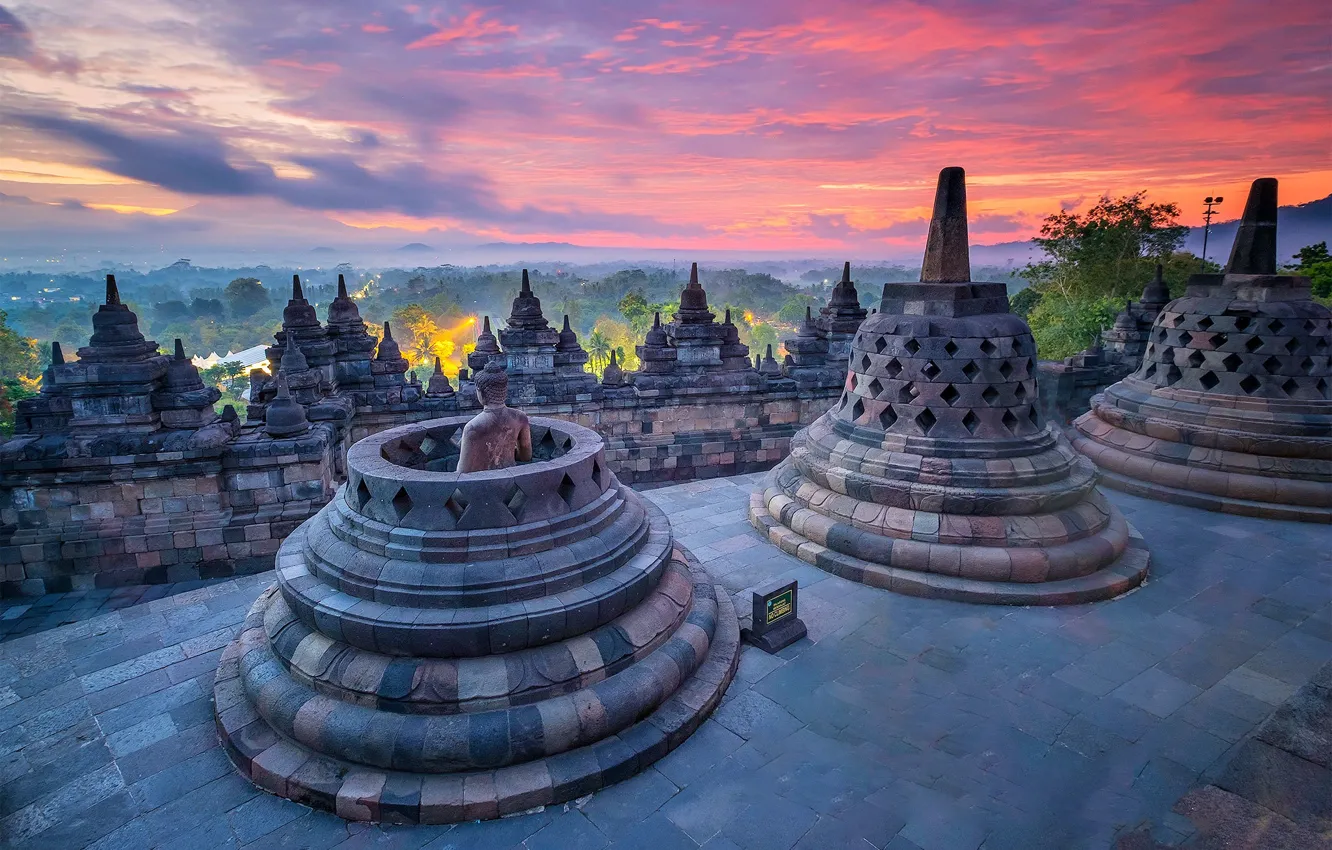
[
  {"x": 261, "y": 815},
  {"x": 617, "y": 810},
  {"x": 656, "y": 832},
  {"x": 1157, "y": 692},
  {"x": 568, "y": 830}
]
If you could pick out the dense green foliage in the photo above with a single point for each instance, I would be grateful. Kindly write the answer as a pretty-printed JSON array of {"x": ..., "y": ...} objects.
[
  {"x": 1314, "y": 262},
  {"x": 1095, "y": 262}
]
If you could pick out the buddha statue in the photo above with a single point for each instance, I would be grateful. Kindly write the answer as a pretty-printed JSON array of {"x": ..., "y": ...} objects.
[{"x": 498, "y": 436}]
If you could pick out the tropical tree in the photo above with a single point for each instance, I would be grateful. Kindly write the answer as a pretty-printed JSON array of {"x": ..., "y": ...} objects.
[
  {"x": 1314, "y": 262},
  {"x": 246, "y": 296}
]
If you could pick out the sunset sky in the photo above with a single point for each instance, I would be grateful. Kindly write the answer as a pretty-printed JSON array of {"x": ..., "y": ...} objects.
[{"x": 764, "y": 126}]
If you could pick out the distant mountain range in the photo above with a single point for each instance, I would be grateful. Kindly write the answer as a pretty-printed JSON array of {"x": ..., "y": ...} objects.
[{"x": 1297, "y": 226}]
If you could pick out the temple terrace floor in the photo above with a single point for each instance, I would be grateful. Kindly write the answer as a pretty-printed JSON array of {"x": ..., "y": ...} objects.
[{"x": 899, "y": 722}]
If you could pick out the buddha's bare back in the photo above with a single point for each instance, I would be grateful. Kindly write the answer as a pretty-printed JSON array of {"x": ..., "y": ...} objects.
[{"x": 496, "y": 438}]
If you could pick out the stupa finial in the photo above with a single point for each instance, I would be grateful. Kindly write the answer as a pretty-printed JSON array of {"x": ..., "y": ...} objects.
[
  {"x": 947, "y": 256},
  {"x": 1255, "y": 249}
]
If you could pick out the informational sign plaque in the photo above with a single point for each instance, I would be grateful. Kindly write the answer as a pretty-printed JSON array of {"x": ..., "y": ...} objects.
[{"x": 775, "y": 624}]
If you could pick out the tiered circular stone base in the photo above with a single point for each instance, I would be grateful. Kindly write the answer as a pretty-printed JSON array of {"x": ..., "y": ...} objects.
[
  {"x": 1264, "y": 459},
  {"x": 632, "y": 695},
  {"x": 1121, "y": 576}
]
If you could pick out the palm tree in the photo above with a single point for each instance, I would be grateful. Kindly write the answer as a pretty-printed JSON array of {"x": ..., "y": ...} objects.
[{"x": 598, "y": 352}]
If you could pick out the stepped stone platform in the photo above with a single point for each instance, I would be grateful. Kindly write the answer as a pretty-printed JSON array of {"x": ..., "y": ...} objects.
[
  {"x": 900, "y": 722},
  {"x": 936, "y": 474},
  {"x": 1231, "y": 407},
  {"x": 445, "y": 646}
]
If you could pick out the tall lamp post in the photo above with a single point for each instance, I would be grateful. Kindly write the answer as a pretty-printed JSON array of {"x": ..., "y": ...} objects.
[{"x": 1211, "y": 203}]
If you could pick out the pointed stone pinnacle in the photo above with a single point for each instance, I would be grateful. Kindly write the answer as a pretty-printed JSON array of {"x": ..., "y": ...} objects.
[
  {"x": 846, "y": 272},
  {"x": 809, "y": 313},
  {"x": 388, "y": 332},
  {"x": 527, "y": 287},
  {"x": 728, "y": 316},
  {"x": 656, "y": 319},
  {"x": 282, "y": 390},
  {"x": 769, "y": 351},
  {"x": 567, "y": 329},
  {"x": 57, "y": 355},
  {"x": 485, "y": 325},
  {"x": 693, "y": 274},
  {"x": 758, "y": 361},
  {"x": 613, "y": 363},
  {"x": 112, "y": 291},
  {"x": 296, "y": 293},
  {"x": 180, "y": 349},
  {"x": 342, "y": 287},
  {"x": 947, "y": 257},
  {"x": 1255, "y": 249},
  {"x": 439, "y": 368}
]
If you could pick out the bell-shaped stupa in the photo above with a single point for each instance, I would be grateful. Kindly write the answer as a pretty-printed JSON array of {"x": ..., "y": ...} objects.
[
  {"x": 1231, "y": 407},
  {"x": 935, "y": 475}
]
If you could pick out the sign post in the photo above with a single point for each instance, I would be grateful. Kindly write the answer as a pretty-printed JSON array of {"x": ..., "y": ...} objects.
[{"x": 776, "y": 624}]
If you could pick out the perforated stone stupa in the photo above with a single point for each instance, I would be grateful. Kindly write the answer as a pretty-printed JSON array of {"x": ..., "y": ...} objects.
[
  {"x": 444, "y": 647},
  {"x": 935, "y": 474},
  {"x": 1231, "y": 407}
]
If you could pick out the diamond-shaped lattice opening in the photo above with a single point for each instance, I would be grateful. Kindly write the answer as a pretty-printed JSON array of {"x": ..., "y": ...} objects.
[
  {"x": 925, "y": 421},
  {"x": 970, "y": 369},
  {"x": 1309, "y": 326},
  {"x": 880, "y": 343},
  {"x": 1292, "y": 345},
  {"x": 991, "y": 395},
  {"x": 1276, "y": 326},
  {"x": 971, "y": 422},
  {"x": 950, "y": 395},
  {"x": 517, "y": 498},
  {"x": 1232, "y": 362},
  {"x": 566, "y": 443},
  {"x": 598, "y": 475},
  {"x": 1185, "y": 338},
  {"x": 875, "y": 388},
  {"x": 951, "y": 348},
  {"x": 1006, "y": 369},
  {"x": 566, "y": 489},
  {"x": 455, "y": 505},
  {"x": 1272, "y": 365},
  {"x": 857, "y": 410},
  {"x": 1290, "y": 387},
  {"x": 853, "y": 381},
  {"x": 1253, "y": 344},
  {"x": 1250, "y": 384},
  {"x": 1307, "y": 366},
  {"x": 887, "y": 417},
  {"x": 1149, "y": 371},
  {"x": 1020, "y": 391},
  {"x": 1242, "y": 322},
  {"x": 1172, "y": 374},
  {"x": 1031, "y": 366},
  {"x": 1034, "y": 416},
  {"x": 930, "y": 370},
  {"x": 1321, "y": 345},
  {"x": 546, "y": 445},
  {"x": 402, "y": 503},
  {"x": 912, "y": 346},
  {"x": 894, "y": 368},
  {"x": 865, "y": 363},
  {"x": 841, "y": 405},
  {"x": 1219, "y": 340},
  {"x": 363, "y": 495},
  {"x": 1010, "y": 421},
  {"x": 906, "y": 393},
  {"x": 1175, "y": 319},
  {"x": 988, "y": 348},
  {"x": 1322, "y": 387},
  {"x": 1196, "y": 358},
  {"x": 1205, "y": 322},
  {"x": 1209, "y": 380},
  {"x": 1160, "y": 335}
]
